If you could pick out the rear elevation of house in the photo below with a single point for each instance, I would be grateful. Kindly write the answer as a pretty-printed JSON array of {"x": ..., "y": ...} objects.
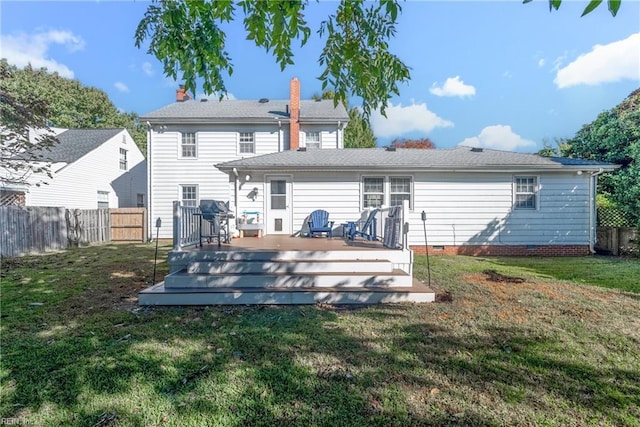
[{"x": 186, "y": 139}]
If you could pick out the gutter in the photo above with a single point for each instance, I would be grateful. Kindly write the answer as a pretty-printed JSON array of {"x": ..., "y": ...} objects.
[{"x": 593, "y": 185}]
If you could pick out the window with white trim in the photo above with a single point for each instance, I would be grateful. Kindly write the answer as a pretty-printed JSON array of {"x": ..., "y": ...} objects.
[
  {"x": 525, "y": 189},
  {"x": 399, "y": 190},
  {"x": 123, "y": 159},
  {"x": 372, "y": 191},
  {"x": 313, "y": 140},
  {"x": 189, "y": 195},
  {"x": 386, "y": 190},
  {"x": 246, "y": 143},
  {"x": 188, "y": 148},
  {"x": 103, "y": 200}
]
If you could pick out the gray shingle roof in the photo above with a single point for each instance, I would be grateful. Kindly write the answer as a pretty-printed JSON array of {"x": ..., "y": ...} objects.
[
  {"x": 243, "y": 110},
  {"x": 75, "y": 143},
  {"x": 418, "y": 159}
]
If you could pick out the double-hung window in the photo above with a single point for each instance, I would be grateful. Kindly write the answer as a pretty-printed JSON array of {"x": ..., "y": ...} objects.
[
  {"x": 188, "y": 148},
  {"x": 525, "y": 192},
  {"x": 189, "y": 195},
  {"x": 399, "y": 190},
  {"x": 123, "y": 159},
  {"x": 246, "y": 143},
  {"x": 103, "y": 200},
  {"x": 372, "y": 192},
  {"x": 386, "y": 190},
  {"x": 313, "y": 140}
]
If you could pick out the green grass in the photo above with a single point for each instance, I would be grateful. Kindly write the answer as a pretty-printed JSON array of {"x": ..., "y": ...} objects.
[{"x": 554, "y": 350}]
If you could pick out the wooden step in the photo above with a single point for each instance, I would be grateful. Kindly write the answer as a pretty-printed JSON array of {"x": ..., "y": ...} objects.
[
  {"x": 290, "y": 266},
  {"x": 160, "y": 295},
  {"x": 183, "y": 279}
]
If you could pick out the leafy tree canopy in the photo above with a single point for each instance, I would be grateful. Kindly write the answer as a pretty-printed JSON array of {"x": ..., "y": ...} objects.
[
  {"x": 424, "y": 143},
  {"x": 69, "y": 103},
  {"x": 188, "y": 38},
  {"x": 22, "y": 156},
  {"x": 614, "y": 136}
]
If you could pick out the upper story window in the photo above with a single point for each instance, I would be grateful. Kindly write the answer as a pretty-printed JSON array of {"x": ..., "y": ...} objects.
[
  {"x": 525, "y": 190},
  {"x": 247, "y": 143},
  {"x": 188, "y": 146},
  {"x": 189, "y": 195},
  {"x": 123, "y": 159},
  {"x": 313, "y": 140}
]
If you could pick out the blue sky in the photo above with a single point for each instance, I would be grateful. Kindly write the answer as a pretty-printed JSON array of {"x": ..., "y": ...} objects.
[{"x": 497, "y": 74}]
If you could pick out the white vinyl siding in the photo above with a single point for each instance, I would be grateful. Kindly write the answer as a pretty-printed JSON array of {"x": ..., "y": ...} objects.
[
  {"x": 246, "y": 143},
  {"x": 188, "y": 146},
  {"x": 525, "y": 192},
  {"x": 216, "y": 144}
]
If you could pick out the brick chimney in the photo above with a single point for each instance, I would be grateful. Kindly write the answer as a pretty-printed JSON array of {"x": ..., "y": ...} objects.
[
  {"x": 294, "y": 115},
  {"x": 182, "y": 95}
]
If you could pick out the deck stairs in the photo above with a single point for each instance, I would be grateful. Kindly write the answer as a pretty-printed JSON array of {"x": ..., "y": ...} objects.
[{"x": 270, "y": 276}]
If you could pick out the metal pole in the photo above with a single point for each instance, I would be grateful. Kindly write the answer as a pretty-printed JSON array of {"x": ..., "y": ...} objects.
[
  {"x": 426, "y": 246},
  {"x": 155, "y": 257}
]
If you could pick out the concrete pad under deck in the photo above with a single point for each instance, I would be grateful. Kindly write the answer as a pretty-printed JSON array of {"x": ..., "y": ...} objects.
[{"x": 159, "y": 295}]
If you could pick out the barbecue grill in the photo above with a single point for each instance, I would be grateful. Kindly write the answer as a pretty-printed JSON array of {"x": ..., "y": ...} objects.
[{"x": 214, "y": 221}]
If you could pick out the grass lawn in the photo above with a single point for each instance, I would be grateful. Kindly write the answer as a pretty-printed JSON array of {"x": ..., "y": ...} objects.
[{"x": 559, "y": 348}]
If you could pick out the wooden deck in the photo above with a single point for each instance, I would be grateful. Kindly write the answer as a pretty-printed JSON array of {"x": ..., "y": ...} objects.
[
  {"x": 292, "y": 243},
  {"x": 288, "y": 270}
]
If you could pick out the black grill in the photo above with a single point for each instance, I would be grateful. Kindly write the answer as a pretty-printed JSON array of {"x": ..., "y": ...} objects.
[{"x": 216, "y": 214}]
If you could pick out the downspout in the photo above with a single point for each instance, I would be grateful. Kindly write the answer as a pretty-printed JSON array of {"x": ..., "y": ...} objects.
[
  {"x": 593, "y": 186},
  {"x": 149, "y": 175}
]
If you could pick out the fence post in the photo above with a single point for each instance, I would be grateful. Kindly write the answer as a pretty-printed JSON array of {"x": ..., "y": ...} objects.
[
  {"x": 405, "y": 225},
  {"x": 177, "y": 225}
]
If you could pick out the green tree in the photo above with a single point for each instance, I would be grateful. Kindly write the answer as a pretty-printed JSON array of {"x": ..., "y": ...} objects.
[
  {"x": 557, "y": 149},
  {"x": 358, "y": 133},
  {"x": 21, "y": 156},
  {"x": 188, "y": 38},
  {"x": 614, "y": 136},
  {"x": 71, "y": 104}
]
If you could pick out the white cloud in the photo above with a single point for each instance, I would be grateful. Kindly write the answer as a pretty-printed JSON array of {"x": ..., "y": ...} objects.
[
  {"x": 24, "y": 49},
  {"x": 121, "y": 87},
  {"x": 453, "y": 86},
  {"x": 541, "y": 62},
  {"x": 605, "y": 63},
  {"x": 147, "y": 68},
  {"x": 401, "y": 120},
  {"x": 500, "y": 137}
]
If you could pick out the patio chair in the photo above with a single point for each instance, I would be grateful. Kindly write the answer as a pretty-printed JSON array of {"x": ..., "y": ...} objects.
[
  {"x": 319, "y": 223},
  {"x": 366, "y": 229}
]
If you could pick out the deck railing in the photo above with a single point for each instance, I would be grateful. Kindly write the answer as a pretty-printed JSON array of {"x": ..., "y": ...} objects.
[
  {"x": 390, "y": 226},
  {"x": 186, "y": 225}
]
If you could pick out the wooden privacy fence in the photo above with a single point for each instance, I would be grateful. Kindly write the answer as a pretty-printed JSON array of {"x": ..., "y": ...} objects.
[
  {"x": 618, "y": 240},
  {"x": 39, "y": 229}
]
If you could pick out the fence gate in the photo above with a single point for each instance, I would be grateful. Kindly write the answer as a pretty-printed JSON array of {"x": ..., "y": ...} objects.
[{"x": 128, "y": 224}]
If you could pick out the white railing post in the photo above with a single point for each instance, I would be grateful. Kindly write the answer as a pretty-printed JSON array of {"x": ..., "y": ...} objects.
[
  {"x": 404, "y": 225},
  {"x": 177, "y": 225}
]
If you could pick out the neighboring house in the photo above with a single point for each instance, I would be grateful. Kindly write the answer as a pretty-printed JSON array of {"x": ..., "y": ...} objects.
[
  {"x": 186, "y": 139},
  {"x": 477, "y": 201},
  {"x": 91, "y": 168}
]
